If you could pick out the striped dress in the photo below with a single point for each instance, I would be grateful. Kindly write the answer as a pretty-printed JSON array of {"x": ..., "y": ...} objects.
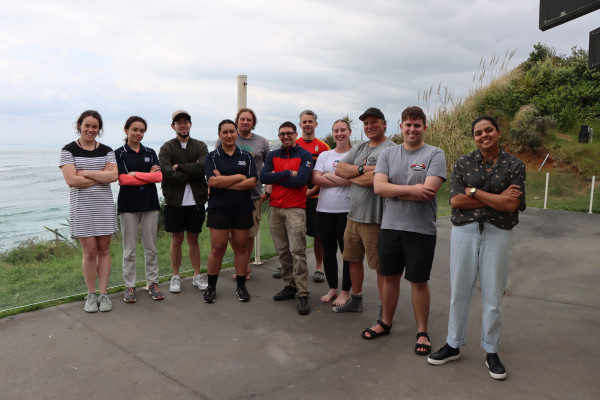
[{"x": 92, "y": 209}]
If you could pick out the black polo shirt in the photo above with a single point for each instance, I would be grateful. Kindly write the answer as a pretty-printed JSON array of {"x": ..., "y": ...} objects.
[
  {"x": 136, "y": 198},
  {"x": 229, "y": 201}
]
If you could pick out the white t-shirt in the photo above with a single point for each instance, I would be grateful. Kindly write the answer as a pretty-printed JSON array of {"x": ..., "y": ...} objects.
[
  {"x": 332, "y": 199},
  {"x": 188, "y": 195}
]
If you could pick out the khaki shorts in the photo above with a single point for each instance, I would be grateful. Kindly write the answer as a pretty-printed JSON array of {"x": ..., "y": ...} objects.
[
  {"x": 256, "y": 214},
  {"x": 361, "y": 239}
]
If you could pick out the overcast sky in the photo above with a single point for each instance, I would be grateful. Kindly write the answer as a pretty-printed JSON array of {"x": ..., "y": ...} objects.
[{"x": 149, "y": 58}]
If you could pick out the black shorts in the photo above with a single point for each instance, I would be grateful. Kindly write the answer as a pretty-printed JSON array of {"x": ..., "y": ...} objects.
[
  {"x": 186, "y": 218},
  {"x": 400, "y": 249},
  {"x": 230, "y": 221},
  {"x": 312, "y": 227}
]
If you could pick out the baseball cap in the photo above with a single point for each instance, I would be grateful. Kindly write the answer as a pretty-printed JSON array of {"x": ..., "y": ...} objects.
[
  {"x": 180, "y": 112},
  {"x": 376, "y": 112}
]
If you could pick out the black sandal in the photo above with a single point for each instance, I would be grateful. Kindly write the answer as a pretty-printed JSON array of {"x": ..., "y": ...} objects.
[
  {"x": 375, "y": 335},
  {"x": 419, "y": 345}
]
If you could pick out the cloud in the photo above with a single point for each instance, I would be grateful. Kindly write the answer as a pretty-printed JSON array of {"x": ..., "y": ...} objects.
[{"x": 336, "y": 57}]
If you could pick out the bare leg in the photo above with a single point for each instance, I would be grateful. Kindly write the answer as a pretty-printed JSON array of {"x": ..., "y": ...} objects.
[
  {"x": 391, "y": 293},
  {"x": 218, "y": 246},
  {"x": 175, "y": 251},
  {"x": 194, "y": 251},
  {"x": 103, "y": 246},
  {"x": 89, "y": 262},
  {"x": 357, "y": 275},
  {"x": 420, "y": 300},
  {"x": 239, "y": 243},
  {"x": 249, "y": 248}
]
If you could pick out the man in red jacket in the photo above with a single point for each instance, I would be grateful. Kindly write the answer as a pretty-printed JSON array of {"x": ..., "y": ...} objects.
[{"x": 288, "y": 169}]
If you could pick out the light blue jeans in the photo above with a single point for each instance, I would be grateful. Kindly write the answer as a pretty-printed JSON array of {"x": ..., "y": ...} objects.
[{"x": 486, "y": 254}]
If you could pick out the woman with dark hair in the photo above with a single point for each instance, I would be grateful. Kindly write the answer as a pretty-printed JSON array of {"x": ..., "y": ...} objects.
[
  {"x": 88, "y": 168},
  {"x": 231, "y": 174},
  {"x": 332, "y": 212},
  {"x": 138, "y": 206},
  {"x": 487, "y": 191}
]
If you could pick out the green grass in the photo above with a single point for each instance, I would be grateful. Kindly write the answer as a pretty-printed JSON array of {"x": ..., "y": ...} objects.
[{"x": 43, "y": 274}]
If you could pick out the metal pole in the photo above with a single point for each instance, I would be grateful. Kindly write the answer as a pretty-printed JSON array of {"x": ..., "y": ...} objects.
[
  {"x": 242, "y": 91},
  {"x": 242, "y": 102},
  {"x": 546, "y": 192},
  {"x": 592, "y": 193}
]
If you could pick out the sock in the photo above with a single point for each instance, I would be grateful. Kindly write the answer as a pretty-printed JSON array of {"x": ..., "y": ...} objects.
[
  {"x": 241, "y": 280},
  {"x": 212, "y": 280}
]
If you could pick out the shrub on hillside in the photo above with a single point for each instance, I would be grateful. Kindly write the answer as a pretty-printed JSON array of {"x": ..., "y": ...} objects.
[{"x": 528, "y": 130}]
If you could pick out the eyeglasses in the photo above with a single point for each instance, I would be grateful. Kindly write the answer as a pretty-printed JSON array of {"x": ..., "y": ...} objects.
[{"x": 282, "y": 134}]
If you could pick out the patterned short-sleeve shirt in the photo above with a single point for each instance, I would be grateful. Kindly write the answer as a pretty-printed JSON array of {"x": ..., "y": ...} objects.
[{"x": 469, "y": 172}]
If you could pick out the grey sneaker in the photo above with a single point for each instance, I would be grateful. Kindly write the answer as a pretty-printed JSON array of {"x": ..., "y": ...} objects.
[
  {"x": 200, "y": 282},
  {"x": 129, "y": 295},
  {"x": 277, "y": 273},
  {"x": 155, "y": 291},
  {"x": 104, "y": 303},
  {"x": 91, "y": 303},
  {"x": 319, "y": 276},
  {"x": 354, "y": 305}
]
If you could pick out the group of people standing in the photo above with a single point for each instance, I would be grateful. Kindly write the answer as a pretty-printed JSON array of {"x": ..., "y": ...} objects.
[{"x": 376, "y": 200}]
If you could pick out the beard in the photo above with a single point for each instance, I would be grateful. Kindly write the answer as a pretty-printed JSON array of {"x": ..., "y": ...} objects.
[{"x": 183, "y": 136}]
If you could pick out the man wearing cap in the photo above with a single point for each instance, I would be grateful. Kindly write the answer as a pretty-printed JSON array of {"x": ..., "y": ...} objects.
[
  {"x": 408, "y": 177},
  {"x": 364, "y": 219},
  {"x": 288, "y": 169},
  {"x": 185, "y": 191},
  {"x": 309, "y": 142}
]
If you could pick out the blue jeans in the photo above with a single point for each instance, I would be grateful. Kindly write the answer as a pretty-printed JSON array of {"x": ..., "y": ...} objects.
[{"x": 486, "y": 254}]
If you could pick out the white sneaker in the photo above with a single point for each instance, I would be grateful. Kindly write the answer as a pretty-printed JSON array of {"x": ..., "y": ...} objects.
[
  {"x": 200, "y": 282},
  {"x": 175, "y": 286},
  {"x": 91, "y": 303},
  {"x": 104, "y": 303}
]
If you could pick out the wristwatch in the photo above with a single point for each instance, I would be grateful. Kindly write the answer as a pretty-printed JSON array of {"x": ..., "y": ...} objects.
[
  {"x": 472, "y": 192},
  {"x": 361, "y": 170}
]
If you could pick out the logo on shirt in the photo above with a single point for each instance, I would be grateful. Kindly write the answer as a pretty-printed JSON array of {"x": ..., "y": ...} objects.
[
  {"x": 308, "y": 164},
  {"x": 242, "y": 162},
  {"x": 335, "y": 164},
  {"x": 317, "y": 148},
  {"x": 418, "y": 167},
  {"x": 146, "y": 159}
]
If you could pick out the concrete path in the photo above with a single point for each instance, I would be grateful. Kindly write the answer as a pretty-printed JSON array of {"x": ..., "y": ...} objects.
[{"x": 182, "y": 348}]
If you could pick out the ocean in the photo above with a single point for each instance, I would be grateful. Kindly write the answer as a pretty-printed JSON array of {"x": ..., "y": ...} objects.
[{"x": 34, "y": 195}]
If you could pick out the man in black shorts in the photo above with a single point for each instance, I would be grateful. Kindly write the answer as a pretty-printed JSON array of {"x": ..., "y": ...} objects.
[
  {"x": 185, "y": 190},
  {"x": 408, "y": 177}
]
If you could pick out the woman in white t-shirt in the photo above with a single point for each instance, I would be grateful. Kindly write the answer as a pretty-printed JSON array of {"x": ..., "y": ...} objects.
[{"x": 332, "y": 211}]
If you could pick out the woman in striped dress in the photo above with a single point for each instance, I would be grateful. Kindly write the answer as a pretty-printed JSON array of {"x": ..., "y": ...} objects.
[{"x": 88, "y": 168}]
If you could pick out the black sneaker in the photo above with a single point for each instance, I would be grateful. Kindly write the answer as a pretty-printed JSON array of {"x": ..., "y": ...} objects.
[
  {"x": 287, "y": 293},
  {"x": 210, "y": 295},
  {"x": 443, "y": 355},
  {"x": 303, "y": 306},
  {"x": 243, "y": 294},
  {"x": 497, "y": 370}
]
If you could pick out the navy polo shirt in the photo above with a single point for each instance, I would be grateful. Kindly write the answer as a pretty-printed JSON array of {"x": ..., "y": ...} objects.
[
  {"x": 136, "y": 198},
  {"x": 229, "y": 201}
]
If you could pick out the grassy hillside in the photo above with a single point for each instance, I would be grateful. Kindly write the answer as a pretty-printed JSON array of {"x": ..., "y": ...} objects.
[{"x": 540, "y": 106}]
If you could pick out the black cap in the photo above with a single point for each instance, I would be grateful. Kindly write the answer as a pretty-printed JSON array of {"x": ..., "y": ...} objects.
[{"x": 376, "y": 112}]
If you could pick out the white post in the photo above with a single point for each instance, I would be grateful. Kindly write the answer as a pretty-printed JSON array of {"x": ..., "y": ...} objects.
[
  {"x": 242, "y": 91},
  {"x": 592, "y": 193},
  {"x": 546, "y": 191}
]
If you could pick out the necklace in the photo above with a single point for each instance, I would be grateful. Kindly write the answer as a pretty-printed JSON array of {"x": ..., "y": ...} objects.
[{"x": 80, "y": 145}]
